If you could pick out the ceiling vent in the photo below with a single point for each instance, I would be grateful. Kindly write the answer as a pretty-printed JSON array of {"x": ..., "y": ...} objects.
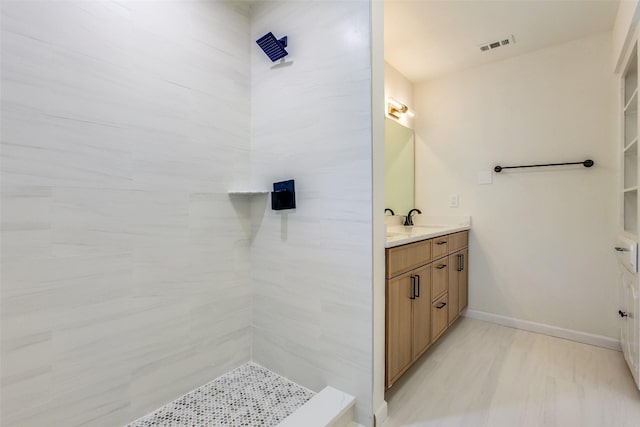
[{"x": 485, "y": 47}]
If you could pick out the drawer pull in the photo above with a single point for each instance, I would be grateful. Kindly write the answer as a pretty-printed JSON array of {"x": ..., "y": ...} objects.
[
  {"x": 441, "y": 305},
  {"x": 442, "y": 242},
  {"x": 441, "y": 266}
]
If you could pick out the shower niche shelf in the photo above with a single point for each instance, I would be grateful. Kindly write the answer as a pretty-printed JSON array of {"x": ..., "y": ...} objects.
[{"x": 247, "y": 192}]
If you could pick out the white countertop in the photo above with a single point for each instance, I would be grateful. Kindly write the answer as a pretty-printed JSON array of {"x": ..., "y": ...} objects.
[{"x": 425, "y": 228}]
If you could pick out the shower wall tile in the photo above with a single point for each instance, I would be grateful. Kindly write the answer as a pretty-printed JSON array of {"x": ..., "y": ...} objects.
[
  {"x": 312, "y": 267},
  {"x": 125, "y": 265}
]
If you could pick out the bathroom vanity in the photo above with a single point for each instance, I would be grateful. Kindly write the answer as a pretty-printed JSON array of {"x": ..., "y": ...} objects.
[{"x": 426, "y": 290}]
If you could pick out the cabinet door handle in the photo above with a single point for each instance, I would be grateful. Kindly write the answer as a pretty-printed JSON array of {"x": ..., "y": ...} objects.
[
  {"x": 418, "y": 293},
  {"x": 441, "y": 305},
  {"x": 619, "y": 249},
  {"x": 459, "y": 262},
  {"x": 443, "y": 242},
  {"x": 463, "y": 262},
  {"x": 413, "y": 287},
  {"x": 441, "y": 266},
  {"x": 622, "y": 313}
]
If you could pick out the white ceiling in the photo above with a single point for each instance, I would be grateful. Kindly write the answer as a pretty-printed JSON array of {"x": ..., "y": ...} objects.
[{"x": 424, "y": 39}]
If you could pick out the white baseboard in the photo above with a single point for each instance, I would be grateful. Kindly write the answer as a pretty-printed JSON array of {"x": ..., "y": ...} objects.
[
  {"x": 381, "y": 413},
  {"x": 541, "y": 328}
]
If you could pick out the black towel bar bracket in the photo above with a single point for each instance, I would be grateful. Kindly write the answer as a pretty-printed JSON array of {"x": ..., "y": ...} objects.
[{"x": 587, "y": 164}]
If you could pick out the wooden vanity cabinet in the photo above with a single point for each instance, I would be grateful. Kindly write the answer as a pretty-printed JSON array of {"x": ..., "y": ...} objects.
[
  {"x": 439, "y": 316},
  {"x": 440, "y": 277},
  {"x": 440, "y": 246},
  {"x": 454, "y": 286},
  {"x": 458, "y": 283},
  {"x": 399, "y": 323},
  {"x": 463, "y": 281},
  {"x": 421, "y": 313},
  {"x": 407, "y": 257},
  {"x": 408, "y": 320},
  {"x": 458, "y": 241},
  {"x": 426, "y": 290}
]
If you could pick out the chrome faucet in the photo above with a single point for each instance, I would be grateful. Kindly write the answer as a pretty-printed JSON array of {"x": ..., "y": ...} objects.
[{"x": 409, "y": 219}]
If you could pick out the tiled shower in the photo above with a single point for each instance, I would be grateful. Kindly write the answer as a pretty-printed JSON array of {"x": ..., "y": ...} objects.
[{"x": 129, "y": 275}]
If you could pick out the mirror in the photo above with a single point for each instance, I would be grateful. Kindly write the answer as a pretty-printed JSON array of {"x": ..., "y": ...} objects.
[{"x": 398, "y": 167}]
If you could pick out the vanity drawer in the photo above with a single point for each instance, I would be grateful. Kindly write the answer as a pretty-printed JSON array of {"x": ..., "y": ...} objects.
[
  {"x": 458, "y": 241},
  {"x": 439, "y": 316},
  {"x": 439, "y": 277},
  {"x": 407, "y": 257},
  {"x": 440, "y": 246}
]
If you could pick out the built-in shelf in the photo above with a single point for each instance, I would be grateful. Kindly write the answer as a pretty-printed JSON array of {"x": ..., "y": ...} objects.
[
  {"x": 630, "y": 235},
  {"x": 630, "y": 102},
  {"x": 630, "y": 128},
  {"x": 631, "y": 77},
  {"x": 632, "y": 105},
  {"x": 631, "y": 211},
  {"x": 630, "y": 171},
  {"x": 632, "y": 147}
]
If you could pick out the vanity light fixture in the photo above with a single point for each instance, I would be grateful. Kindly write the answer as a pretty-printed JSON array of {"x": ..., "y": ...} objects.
[{"x": 396, "y": 109}]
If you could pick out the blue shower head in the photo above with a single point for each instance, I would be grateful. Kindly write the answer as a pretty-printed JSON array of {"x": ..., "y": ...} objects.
[{"x": 273, "y": 47}]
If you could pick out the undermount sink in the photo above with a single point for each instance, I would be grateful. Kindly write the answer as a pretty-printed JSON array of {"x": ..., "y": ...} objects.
[
  {"x": 423, "y": 228},
  {"x": 414, "y": 230},
  {"x": 399, "y": 234}
]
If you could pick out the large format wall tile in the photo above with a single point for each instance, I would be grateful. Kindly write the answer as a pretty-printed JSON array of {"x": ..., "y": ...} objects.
[
  {"x": 125, "y": 264},
  {"x": 311, "y": 268},
  {"x": 129, "y": 276}
]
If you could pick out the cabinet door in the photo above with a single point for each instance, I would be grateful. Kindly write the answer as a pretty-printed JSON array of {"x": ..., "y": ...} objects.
[
  {"x": 455, "y": 268},
  {"x": 463, "y": 281},
  {"x": 439, "y": 316},
  {"x": 398, "y": 334},
  {"x": 623, "y": 297},
  {"x": 634, "y": 331},
  {"x": 439, "y": 277},
  {"x": 422, "y": 312}
]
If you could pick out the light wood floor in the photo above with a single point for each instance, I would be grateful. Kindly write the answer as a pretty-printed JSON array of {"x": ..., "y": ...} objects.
[{"x": 480, "y": 374}]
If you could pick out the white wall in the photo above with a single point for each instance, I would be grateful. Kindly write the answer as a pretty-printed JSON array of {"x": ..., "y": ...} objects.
[
  {"x": 312, "y": 266},
  {"x": 124, "y": 262},
  {"x": 398, "y": 87},
  {"x": 541, "y": 240},
  {"x": 623, "y": 29}
]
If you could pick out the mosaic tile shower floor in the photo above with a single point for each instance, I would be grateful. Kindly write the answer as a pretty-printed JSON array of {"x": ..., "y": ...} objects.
[{"x": 247, "y": 396}]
